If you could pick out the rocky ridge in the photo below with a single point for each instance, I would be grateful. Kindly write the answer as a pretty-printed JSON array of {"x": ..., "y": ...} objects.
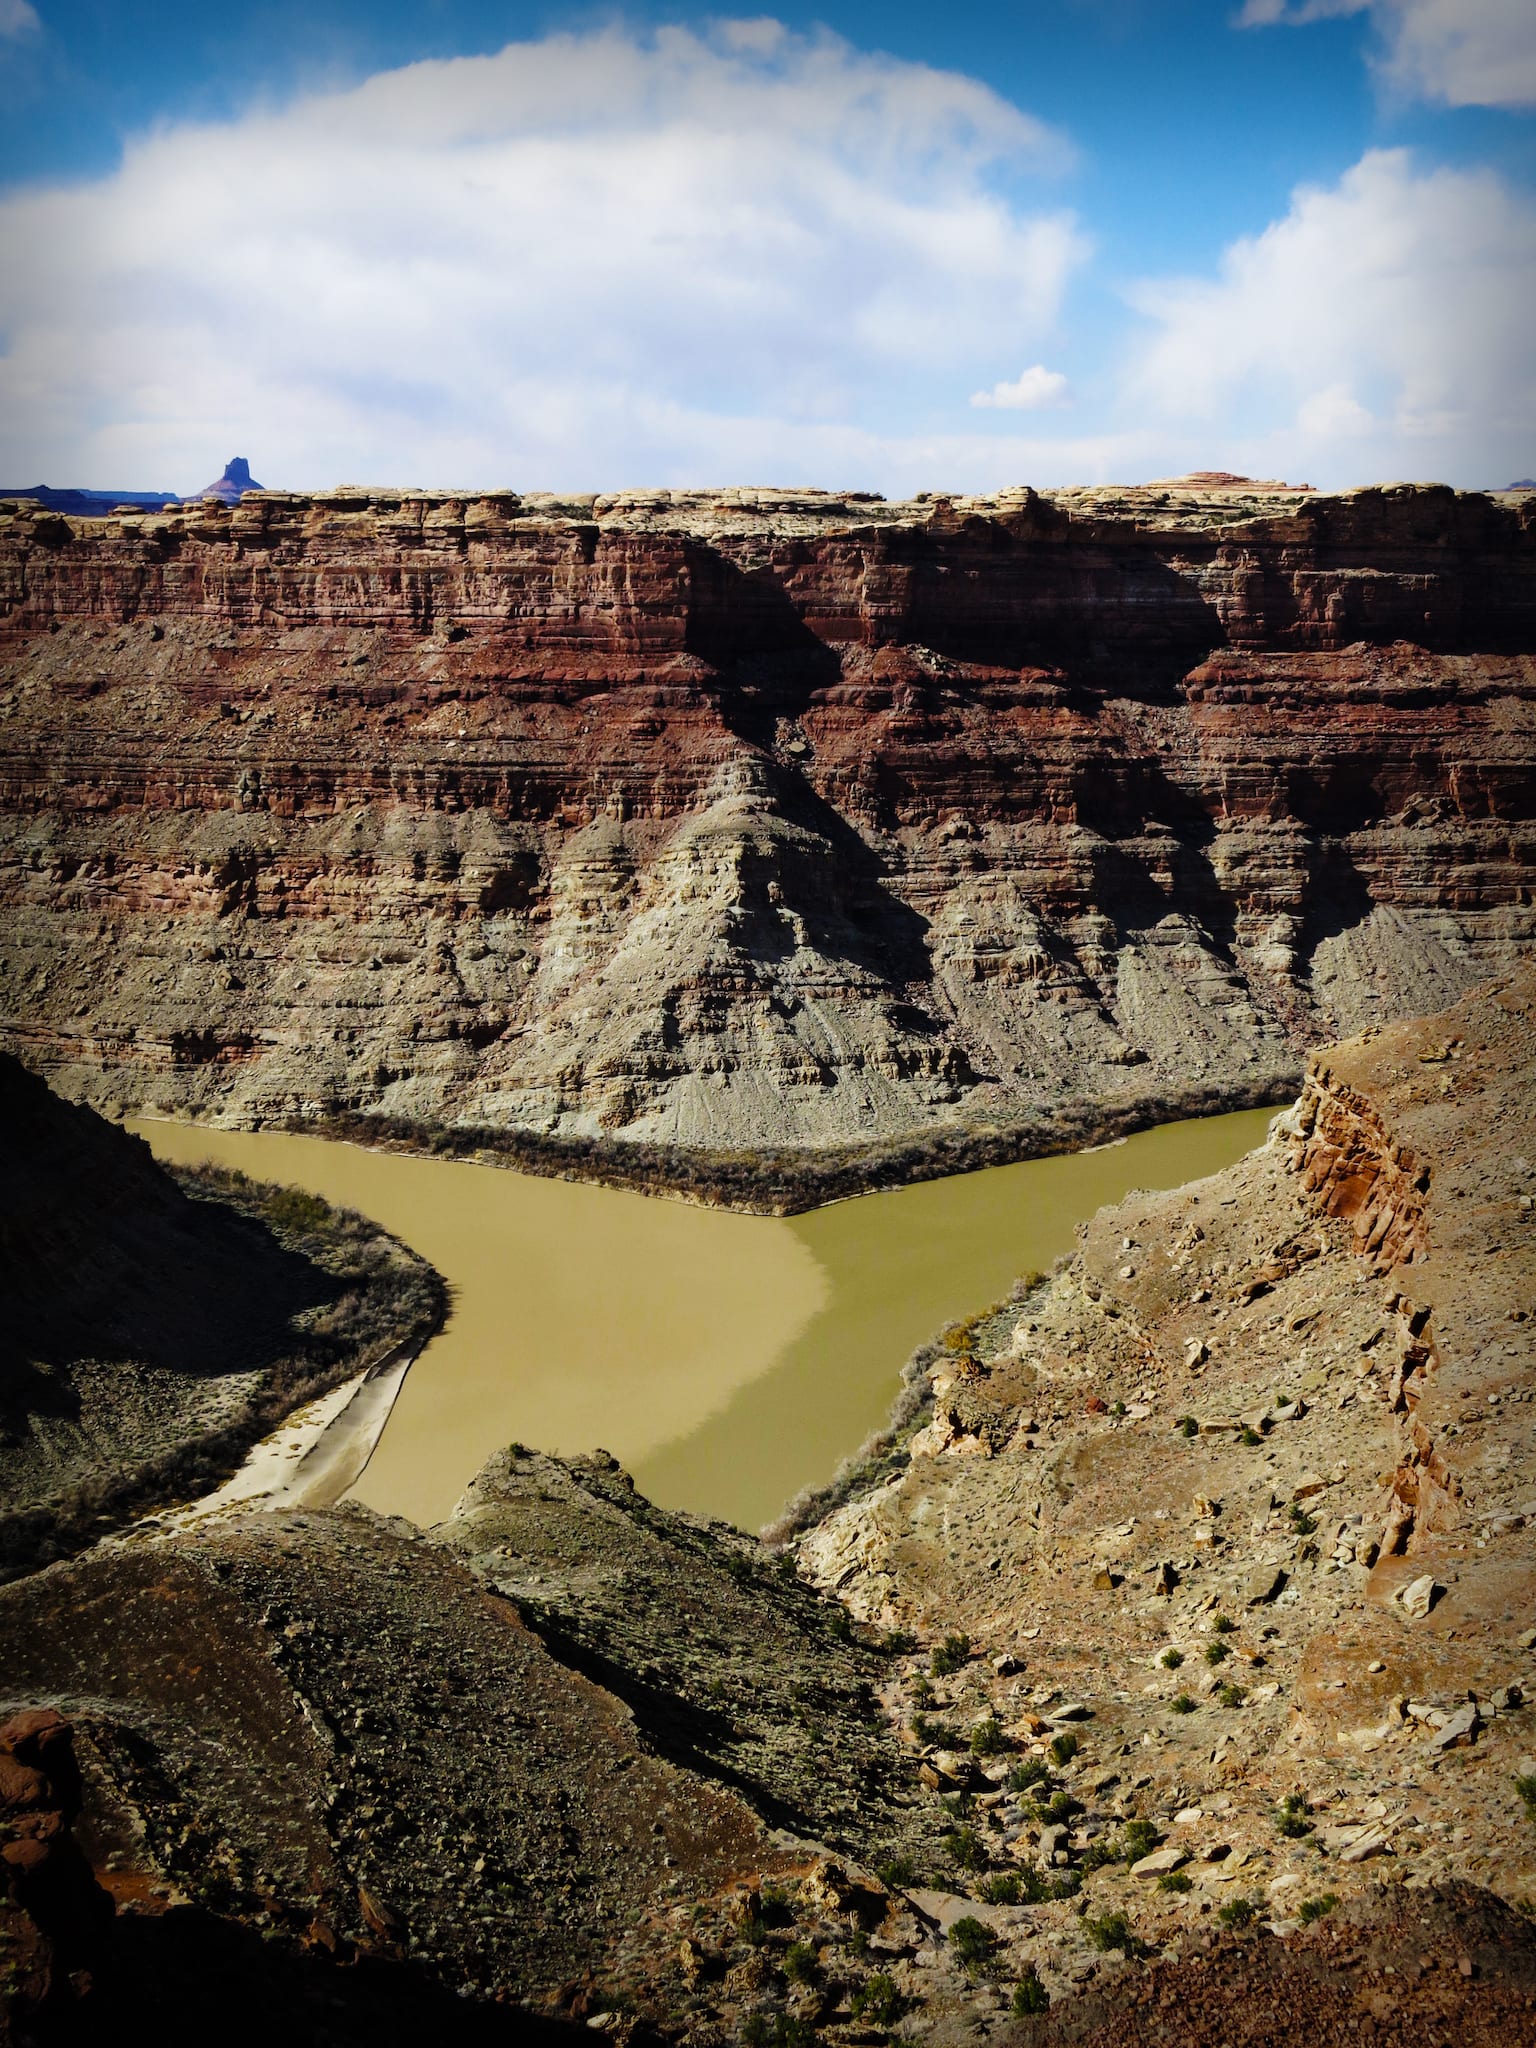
[{"x": 769, "y": 820}]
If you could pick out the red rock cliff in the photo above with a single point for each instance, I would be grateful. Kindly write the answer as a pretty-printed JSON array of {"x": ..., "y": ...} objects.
[{"x": 728, "y": 818}]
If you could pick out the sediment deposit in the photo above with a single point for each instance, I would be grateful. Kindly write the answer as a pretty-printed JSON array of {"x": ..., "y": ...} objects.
[{"x": 716, "y": 820}]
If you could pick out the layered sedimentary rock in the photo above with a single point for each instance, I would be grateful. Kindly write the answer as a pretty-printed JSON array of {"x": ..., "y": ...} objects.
[{"x": 754, "y": 818}]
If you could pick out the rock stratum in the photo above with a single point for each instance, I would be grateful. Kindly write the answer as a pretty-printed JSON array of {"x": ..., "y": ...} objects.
[{"x": 707, "y": 821}]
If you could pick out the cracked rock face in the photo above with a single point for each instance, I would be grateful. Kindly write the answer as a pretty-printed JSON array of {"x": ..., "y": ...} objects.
[{"x": 734, "y": 819}]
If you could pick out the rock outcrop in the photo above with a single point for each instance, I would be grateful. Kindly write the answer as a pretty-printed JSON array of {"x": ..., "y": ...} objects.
[
  {"x": 751, "y": 818},
  {"x": 156, "y": 1324}
]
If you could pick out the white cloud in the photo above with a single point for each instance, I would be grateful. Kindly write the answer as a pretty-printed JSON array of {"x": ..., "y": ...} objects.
[
  {"x": 1469, "y": 53},
  {"x": 1030, "y": 390},
  {"x": 18, "y": 18},
  {"x": 1390, "y": 311},
  {"x": 591, "y": 259}
]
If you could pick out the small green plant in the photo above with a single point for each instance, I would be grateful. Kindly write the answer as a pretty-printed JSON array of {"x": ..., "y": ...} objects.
[
  {"x": 778, "y": 1907},
  {"x": 896, "y": 1871},
  {"x": 1171, "y": 1659},
  {"x": 1301, "y": 1522},
  {"x": 1217, "y": 1652},
  {"x": 972, "y": 1943},
  {"x": 777, "y": 2030},
  {"x": 1526, "y": 1787},
  {"x": 952, "y": 1655},
  {"x": 1182, "y": 1705},
  {"x": 1032, "y": 1771},
  {"x": 1064, "y": 1747},
  {"x": 922, "y": 1691},
  {"x": 898, "y": 1643},
  {"x": 1029, "y": 1996},
  {"x": 1250, "y": 1437},
  {"x": 1174, "y": 1881},
  {"x": 1187, "y": 1426},
  {"x": 1002, "y": 1888},
  {"x": 1230, "y": 1695},
  {"x": 878, "y": 2002},
  {"x": 1059, "y": 1807},
  {"x": 1316, "y": 1909},
  {"x": 1139, "y": 1838},
  {"x": 1111, "y": 1930},
  {"x": 934, "y": 1734},
  {"x": 1239, "y": 1913},
  {"x": 1292, "y": 1818},
  {"x": 987, "y": 1737},
  {"x": 1222, "y": 1624},
  {"x": 1117, "y": 1408},
  {"x": 965, "y": 1849},
  {"x": 800, "y": 1963}
]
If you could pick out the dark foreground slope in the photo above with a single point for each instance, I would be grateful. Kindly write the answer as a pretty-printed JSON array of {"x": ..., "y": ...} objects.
[
  {"x": 741, "y": 821},
  {"x": 156, "y": 1324}
]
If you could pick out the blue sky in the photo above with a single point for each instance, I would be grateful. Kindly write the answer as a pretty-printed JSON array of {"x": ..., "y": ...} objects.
[{"x": 895, "y": 247}]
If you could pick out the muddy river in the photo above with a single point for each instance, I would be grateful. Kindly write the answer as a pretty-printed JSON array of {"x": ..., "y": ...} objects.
[{"x": 727, "y": 1360}]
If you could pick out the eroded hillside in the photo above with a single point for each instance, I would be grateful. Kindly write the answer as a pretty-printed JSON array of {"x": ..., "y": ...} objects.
[{"x": 727, "y": 819}]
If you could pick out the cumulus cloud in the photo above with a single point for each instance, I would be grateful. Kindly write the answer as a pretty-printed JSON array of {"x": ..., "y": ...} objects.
[
  {"x": 594, "y": 258},
  {"x": 1029, "y": 391},
  {"x": 1469, "y": 53},
  {"x": 1390, "y": 312},
  {"x": 18, "y": 18}
]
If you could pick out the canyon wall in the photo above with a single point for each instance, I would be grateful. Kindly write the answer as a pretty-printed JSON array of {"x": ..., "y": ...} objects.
[{"x": 754, "y": 818}]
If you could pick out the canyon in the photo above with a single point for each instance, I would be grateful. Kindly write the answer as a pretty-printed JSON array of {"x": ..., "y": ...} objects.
[{"x": 758, "y": 844}]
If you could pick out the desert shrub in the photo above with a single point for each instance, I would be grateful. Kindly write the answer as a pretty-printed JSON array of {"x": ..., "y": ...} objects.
[
  {"x": 965, "y": 1849},
  {"x": 1029, "y": 1996},
  {"x": 1217, "y": 1652},
  {"x": 1111, "y": 1930},
  {"x": 1138, "y": 1838},
  {"x": 800, "y": 1963},
  {"x": 777, "y": 2030},
  {"x": 952, "y": 1655},
  {"x": 1171, "y": 1659},
  {"x": 1187, "y": 1426},
  {"x": 1003, "y": 1888},
  {"x": 1174, "y": 1881},
  {"x": 896, "y": 1871},
  {"x": 297, "y": 1210},
  {"x": 987, "y": 1737},
  {"x": 1064, "y": 1747},
  {"x": 1291, "y": 1819},
  {"x": 1250, "y": 1437},
  {"x": 878, "y": 2002},
  {"x": 1526, "y": 1787},
  {"x": 1223, "y": 1624},
  {"x": 1230, "y": 1695},
  {"x": 1316, "y": 1909},
  {"x": 972, "y": 1943},
  {"x": 1182, "y": 1705},
  {"x": 1239, "y": 1913},
  {"x": 1301, "y": 1522},
  {"x": 1031, "y": 1772}
]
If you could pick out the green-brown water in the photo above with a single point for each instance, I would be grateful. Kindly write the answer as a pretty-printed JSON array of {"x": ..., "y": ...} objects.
[{"x": 727, "y": 1360}]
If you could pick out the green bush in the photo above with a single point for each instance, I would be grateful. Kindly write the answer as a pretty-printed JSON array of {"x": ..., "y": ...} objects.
[
  {"x": 1292, "y": 1818},
  {"x": 1031, "y": 1772},
  {"x": 1217, "y": 1652},
  {"x": 297, "y": 1210},
  {"x": 1139, "y": 1838},
  {"x": 1174, "y": 1881},
  {"x": 1059, "y": 1807},
  {"x": 1111, "y": 1930},
  {"x": 1182, "y": 1705},
  {"x": 938, "y": 1734},
  {"x": 1526, "y": 1787},
  {"x": 777, "y": 2030},
  {"x": 1003, "y": 1888},
  {"x": 878, "y": 2002},
  {"x": 1029, "y": 1996},
  {"x": 1064, "y": 1747},
  {"x": 1301, "y": 1522},
  {"x": 1223, "y": 1624},
  {"x": 965, "y": 1849},
  {"x": 1316, "y": 1909},
  {"x": 952, "y": 1655},
  {"x": 987, "y": 1737},
  {"x": 1171, "y": 1659},
  {"x": 1250, "y": 1437},
  {"x": 800, "y": 1962},
  {"x": 972, "y": 1943},
  {"x": 1230, "y": 1695},
  {"x": 1240, "y": 1913},
  {"x": 1187, "y": 1426},
  {"x": 896, "y": 1871}
]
